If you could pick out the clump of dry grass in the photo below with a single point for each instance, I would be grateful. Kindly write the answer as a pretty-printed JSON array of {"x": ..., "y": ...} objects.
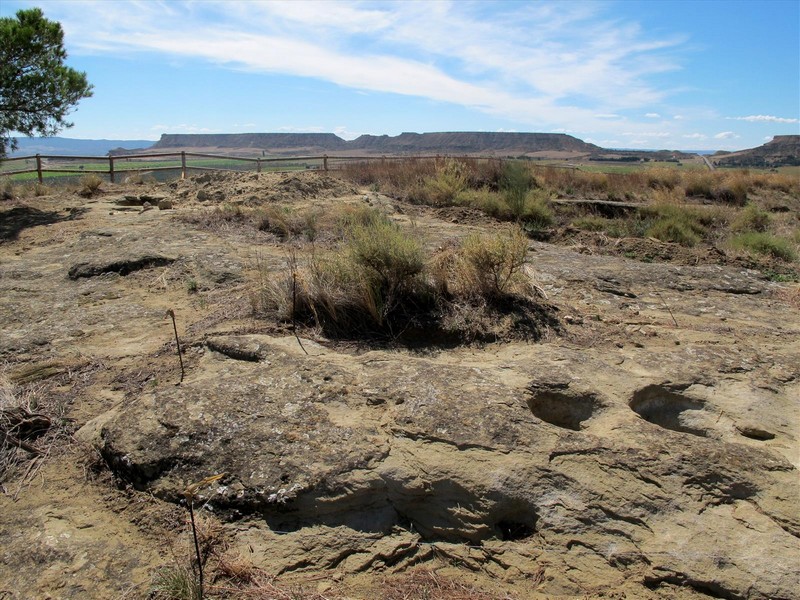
[
  {"x": 90, "y": 185},
  {"x": 21, "y": 425},
  {"x": 377, "y": 282},
  {"x": 491, "y": 265},
  {"x": 425, "y": 583}
]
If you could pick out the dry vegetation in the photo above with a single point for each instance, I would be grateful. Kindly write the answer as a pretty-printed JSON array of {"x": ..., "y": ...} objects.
[
  {"x": 357, "y": 274},
  {"x": 747, "y": 214}
]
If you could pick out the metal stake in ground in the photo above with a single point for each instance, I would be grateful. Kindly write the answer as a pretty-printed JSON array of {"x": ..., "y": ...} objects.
[{"x": 171, "y": 313}]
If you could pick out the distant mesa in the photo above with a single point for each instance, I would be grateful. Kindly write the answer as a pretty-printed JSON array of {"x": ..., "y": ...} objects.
[
  {"x": 783, "y": 150},
  {"x": 484, "y": 143}
]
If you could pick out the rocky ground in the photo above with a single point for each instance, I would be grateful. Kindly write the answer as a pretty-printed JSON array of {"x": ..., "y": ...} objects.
[{"x": 645, "y": 447}]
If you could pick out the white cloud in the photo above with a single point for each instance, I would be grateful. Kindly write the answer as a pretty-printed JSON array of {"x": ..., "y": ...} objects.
[
  {"x": 652, "y": 115},
  {"x": 307, "y": 129},
  {"x": 695, "y": 136},
  {"x": 726, "y": 135},
  {"x": 650, "y": 134},
  {"x": 764, "y": 119},
  {"x": 545, "y": 64},
  {"x": 678, "y": 117},
  {"x": 182, "y": 128}
]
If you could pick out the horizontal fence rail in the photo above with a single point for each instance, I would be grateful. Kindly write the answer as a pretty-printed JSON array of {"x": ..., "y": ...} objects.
[
  {"x": 114, "y": 165},
  {"x": 124, "y": 163}
]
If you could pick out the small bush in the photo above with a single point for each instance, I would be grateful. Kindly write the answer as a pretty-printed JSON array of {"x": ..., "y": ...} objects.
[
  {"x": 7, "y": 190},
  {"x": 442, "y": 189},
  {"x": 731, "y": 192},
  {"x": 700, "y": 185},
  {"x": 591, "y": 223},
  {"x": 515, "y": 183},
  {"x": 751, "y": 218},
  {"x": 537, "y": 213},
  {"x": 764, "y": 244},
  {"x": 378, "y": 283},
  {"x": 389, "y": 257},
  {"x": 661, "y": 178},
  {"x": 490, "y": 265},
  {"x": 485, "y": 200},
  {"x": 685, "y": 225},
  {"x": 286, "y": 223},
  {"x": 671, "y": 229},
  {"x": 90, "y": 185}
]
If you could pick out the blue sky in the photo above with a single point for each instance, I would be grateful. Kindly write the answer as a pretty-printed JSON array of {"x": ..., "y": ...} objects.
[{"x": 701, "y": 74}]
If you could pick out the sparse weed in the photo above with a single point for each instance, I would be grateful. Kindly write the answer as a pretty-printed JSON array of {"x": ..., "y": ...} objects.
[
  {"x": 592, "y": 223},
  {"x": 537, "y": 213},
  {"x": 175, "y": 583},
  {"x": 765, "y": 244},
  {"x": 485, "y": 200},
  {"x": 515, "y": 184},
  {"x": 90, "y": 185},
  {"x": 751, "y": 218},
  {"x": 7, "y": 190}
]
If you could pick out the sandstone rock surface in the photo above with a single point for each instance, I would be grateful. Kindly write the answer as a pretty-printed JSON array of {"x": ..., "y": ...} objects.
[{"x": 648, "y": 449}]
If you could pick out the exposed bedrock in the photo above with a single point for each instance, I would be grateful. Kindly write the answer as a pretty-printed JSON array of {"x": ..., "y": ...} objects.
[{"x": 645, "y": 477}]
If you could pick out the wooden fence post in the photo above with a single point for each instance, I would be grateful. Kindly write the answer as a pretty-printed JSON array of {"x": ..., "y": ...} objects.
[
  {"x": 258, "y": 165},
  {"x": 111, "y": 168},
  {"x": 183, "y": 165},
  {"x": 39, "y": 167},
  {"x": 325, "y": 163}
]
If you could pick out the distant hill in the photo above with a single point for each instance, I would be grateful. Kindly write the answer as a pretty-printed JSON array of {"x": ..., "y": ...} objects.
[
  {"x": 294, "y": 142},
  {"x": 498, "y": 143},
  {"x": 783, "y": 150},
  {"x": 472, "y": 143},
  {"x": 74, "y": 147}
]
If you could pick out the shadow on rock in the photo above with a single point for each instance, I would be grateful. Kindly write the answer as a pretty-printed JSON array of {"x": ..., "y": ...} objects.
[{"x": 13, "y": 221}]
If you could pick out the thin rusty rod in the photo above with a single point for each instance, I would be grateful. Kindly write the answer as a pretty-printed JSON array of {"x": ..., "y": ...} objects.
[{"x": 171, "y": 313}]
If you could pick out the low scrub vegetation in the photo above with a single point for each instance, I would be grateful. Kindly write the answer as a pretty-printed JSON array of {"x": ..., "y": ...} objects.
[
  {"x": 765, "y": 244},
  {"x": 442, "y": 181},
  {"x": 374, "y": 279},
  {"x": 688, "y": 207}
]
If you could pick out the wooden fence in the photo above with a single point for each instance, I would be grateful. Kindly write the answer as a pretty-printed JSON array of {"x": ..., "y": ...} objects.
[{"x": 324, "y": 163}]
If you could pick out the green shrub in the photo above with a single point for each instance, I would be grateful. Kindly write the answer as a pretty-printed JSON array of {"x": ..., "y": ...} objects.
[
  {"x": 672, "y": 229},
  {"x": 485, "y": 200},
  {"x": 175, "y": 583},
  {"x": 515, "y": 182},
  {"x": 450, "y": 179},
  {"x": 591, "y": 223},
  {"x": 390, "y": 257},
  {"x": 765, "y": 244},
  {"x": 751, "y": 218},
  {"x": 537, "y": 213},
  {"x": 491, "y": 264}
]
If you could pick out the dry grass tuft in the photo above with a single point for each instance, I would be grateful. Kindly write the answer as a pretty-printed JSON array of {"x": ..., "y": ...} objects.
[
  {"x": 425, "y": 583},
  {"x": 90, "y": 185}
]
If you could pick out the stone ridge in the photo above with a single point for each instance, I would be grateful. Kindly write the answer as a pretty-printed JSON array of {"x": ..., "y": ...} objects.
[{"x": 444, "y": 142}]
